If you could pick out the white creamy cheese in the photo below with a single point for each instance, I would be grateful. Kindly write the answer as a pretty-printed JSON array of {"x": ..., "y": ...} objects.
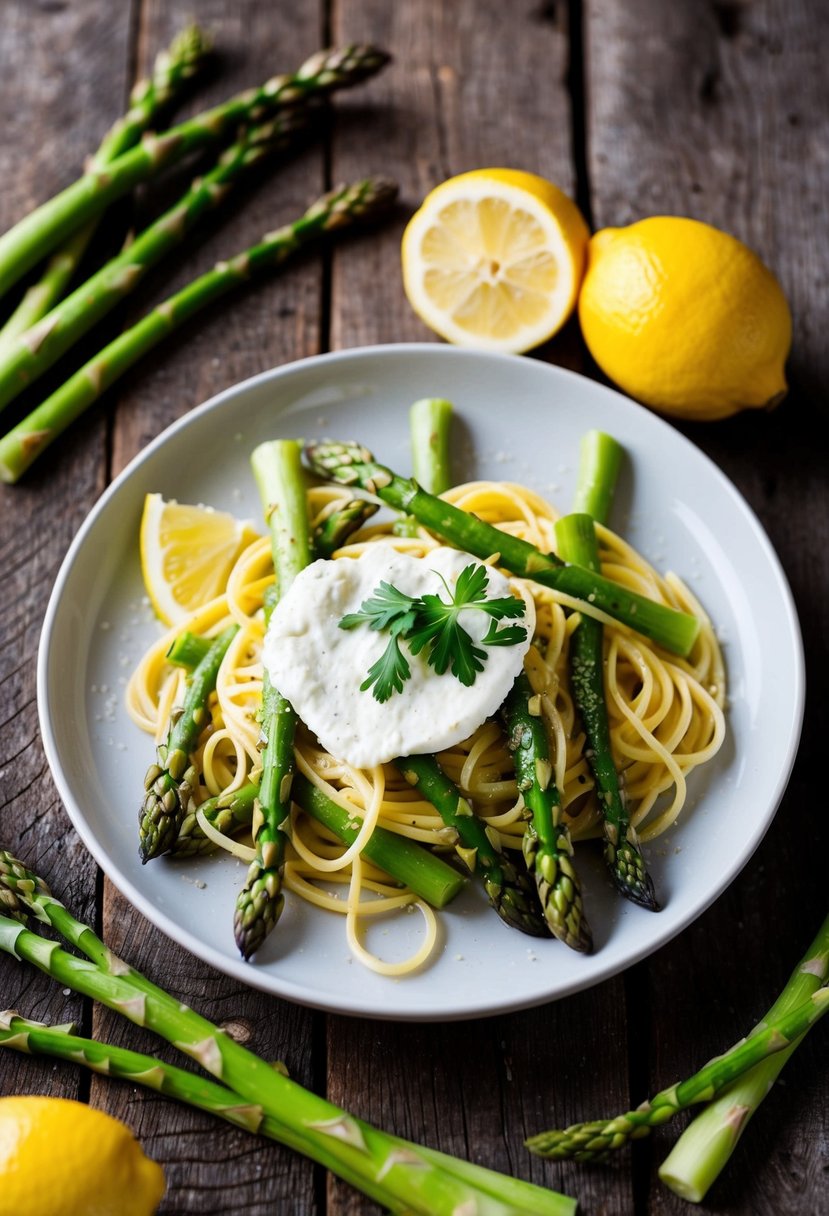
[{"x": 319, "y": 667}]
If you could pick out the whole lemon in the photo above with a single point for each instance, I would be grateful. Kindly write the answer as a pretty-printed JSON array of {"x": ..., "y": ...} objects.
[
  {"x": 63, "y": 1158},
  {"x": 685, "y": 318}
]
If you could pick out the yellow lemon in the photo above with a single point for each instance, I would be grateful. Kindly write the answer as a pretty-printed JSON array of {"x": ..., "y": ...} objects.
[
  {"x": 186, "y": 554},
  {"x": 64, "y": 1158},
  {"x": 685, "y": 318},
  {"x": 494, "y": 259}
]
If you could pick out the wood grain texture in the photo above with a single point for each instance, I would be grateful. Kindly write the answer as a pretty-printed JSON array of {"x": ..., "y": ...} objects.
[
  {"x": 51, "y": 120},
  {"x": 721, "y": 112}
]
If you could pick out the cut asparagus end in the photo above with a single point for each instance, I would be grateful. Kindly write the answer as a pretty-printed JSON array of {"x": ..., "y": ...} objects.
[{"x": 599, "y": 464}]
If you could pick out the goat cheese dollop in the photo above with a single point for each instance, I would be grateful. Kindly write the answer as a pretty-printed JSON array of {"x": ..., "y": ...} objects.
[{"x": 319, "y": 667}]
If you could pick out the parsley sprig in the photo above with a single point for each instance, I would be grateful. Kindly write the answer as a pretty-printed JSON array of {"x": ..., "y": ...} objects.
[{"x": 432, "y": 625}]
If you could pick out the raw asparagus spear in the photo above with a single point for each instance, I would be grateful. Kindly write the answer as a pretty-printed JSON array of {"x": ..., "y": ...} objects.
[
  {"x": 705, "y": 1147},
  {"x": 509, "y": 891},
  {"x": 339, "y": 209},
  {"x": 593, "y": 1141},
  {"x": 548, "y": 850},
  {"x": 172, "y": 69},
  {"x": 277, "y": 467},
  {"x": 37, "y": 235},
  {"x": 169, "y": 784},
  {"x": 351, "y": 464},
  {"x": 395, "y": 1173},
  {"x": 59, "y": 1042},
  {"x": 430, "y": 422},
  {"x": 333, "y": 532},
  {"x": 27, "y": 357},
  {"x": 576, "y": 542}
]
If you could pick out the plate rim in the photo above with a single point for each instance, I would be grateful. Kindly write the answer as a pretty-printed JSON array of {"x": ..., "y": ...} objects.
[{"x": 289, "y": 989}]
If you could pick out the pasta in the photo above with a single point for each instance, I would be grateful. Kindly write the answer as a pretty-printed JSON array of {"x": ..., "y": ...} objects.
[{"x": 666, "y": 716}]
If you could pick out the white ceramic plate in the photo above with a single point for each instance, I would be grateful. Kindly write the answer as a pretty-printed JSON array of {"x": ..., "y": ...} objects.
[{"x": 518, "y": 420}]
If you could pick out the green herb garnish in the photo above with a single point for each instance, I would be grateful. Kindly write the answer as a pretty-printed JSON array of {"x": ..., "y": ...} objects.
[{"x": 432, "y": 625}]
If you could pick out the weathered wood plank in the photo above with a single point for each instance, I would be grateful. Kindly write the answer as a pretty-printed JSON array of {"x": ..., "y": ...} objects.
[
  {"x": 64, "y": 74},
  {"x": 210, "y": 1166},
  {"x": 720, "y": 111},
  {"x": 469, "y": 87}
]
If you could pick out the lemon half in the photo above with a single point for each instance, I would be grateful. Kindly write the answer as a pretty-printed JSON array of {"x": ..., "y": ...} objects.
[
  {"x": 187, "y": 554},
  {"x": 494, "y": 259}
]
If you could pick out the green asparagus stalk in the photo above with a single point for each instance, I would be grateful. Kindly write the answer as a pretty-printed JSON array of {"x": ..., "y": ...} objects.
[
  {"x": 430, "y": 422},
  {"x": 26, "y": 358},
  {"x": 593, "y": 1141},
  {"x": 403, "y": 860},
  {"x": 400, "y": 1175},
  {"x": 341, "y": 208},
  {"x": 601, "y": 457},
  {"x": 600, "y": 461},
  {"x": 508, "y": 889},
  {"x": 277, "y": 468},
  {"x": 172, "y": 69},
  {"x": 169, "y": 783},
  {"x": 548, "y": 850},
  {"x": 576, "y": 541},
  {"x": 705, "y": 1147},
  {"x": 43, "y": 229},
  {"x": 59, "y": 1042},
  {"x": 334, "y": 531},
  {"x": 351, "y": 464}
]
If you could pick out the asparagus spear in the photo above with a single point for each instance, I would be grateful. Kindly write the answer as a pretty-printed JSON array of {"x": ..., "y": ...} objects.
[
  {"x": 405, "y": 861},
  {"x": 228, "y": 813},
  {"x": 333, "y": 532},
  {"x": 36, "y": 1038},
  {"x": 38, "y": 234},
  {"x": 351, "y": 464},
  {"x": 277, "y": 467},
  {"x": 705, "y": 1147},
  {"x": 402, "y": 1176},
  {"x": 169, "y": 783},
  {"x": 336, "y": 210},
  {"x": 576, "y": 540},
  {"x": 547, "y": 847},
  {"x": 27, "y": 357},
  {"x": 593, "y": 1141},
  {"x": 171, "y": 71},
  {"x": 600, "y": 460},
  {"x": 430, "y": 421},
  {"x": 509, "y": 891}
]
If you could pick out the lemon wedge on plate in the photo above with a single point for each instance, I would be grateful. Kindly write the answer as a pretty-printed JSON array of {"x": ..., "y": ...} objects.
[
  {"x": 494, "y": 259},
  {"x": 187, "y": 554}
]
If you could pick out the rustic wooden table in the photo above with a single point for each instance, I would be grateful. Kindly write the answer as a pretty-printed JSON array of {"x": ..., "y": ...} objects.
[{"x": 718, "y": 110}]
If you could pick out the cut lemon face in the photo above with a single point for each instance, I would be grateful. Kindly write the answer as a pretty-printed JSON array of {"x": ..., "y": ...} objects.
[
  {"x": 187, "y": 554},
  {"x": 494, "y": 259}
]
